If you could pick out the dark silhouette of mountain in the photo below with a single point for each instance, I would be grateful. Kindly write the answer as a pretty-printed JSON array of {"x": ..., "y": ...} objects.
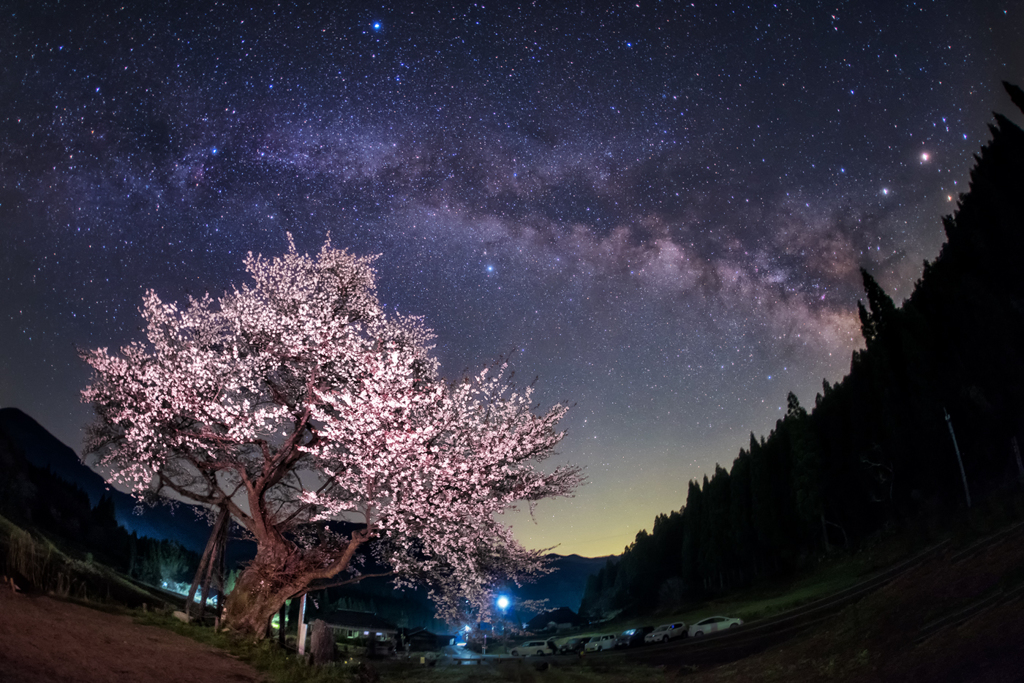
[
  {"x": 43, "y": 450},
  {"x": 565, "y": 586},
  {"x": 561, "y": 615}
]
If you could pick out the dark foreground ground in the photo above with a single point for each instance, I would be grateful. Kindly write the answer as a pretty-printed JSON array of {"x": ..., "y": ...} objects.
[{"x": 44, "y": 640}]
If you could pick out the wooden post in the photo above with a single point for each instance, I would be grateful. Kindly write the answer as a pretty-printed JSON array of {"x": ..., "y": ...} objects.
[{"x": 302, "y": 626}]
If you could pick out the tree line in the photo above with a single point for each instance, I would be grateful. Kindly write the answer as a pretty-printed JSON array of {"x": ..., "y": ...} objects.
[
  {"x": 877, "y": 448},
  {"x": 37, "y": 499}
]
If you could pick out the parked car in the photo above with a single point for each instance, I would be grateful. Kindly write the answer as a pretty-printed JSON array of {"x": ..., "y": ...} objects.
[
  {"x": 574, "y": 646},
  {"x": 534, "y": 647},
  {"x": 666, "y": 632},
  {"x": 712, "y": 625},
  {"x": 633, "y": 636},
  {"x": 605, "y": 641}
]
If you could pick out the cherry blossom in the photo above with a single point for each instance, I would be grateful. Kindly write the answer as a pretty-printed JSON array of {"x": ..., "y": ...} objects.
[{"x": 295, "y": 399}]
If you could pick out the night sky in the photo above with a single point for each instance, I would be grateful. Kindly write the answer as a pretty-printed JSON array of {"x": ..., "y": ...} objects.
[{"x": 659, "y": 207}]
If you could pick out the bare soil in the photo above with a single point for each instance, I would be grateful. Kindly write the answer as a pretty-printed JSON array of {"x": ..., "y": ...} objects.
[{"x": 46, "y": 640}]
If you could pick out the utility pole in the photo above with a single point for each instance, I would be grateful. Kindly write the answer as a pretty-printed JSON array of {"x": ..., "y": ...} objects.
[{"x": 960, "y": 460}]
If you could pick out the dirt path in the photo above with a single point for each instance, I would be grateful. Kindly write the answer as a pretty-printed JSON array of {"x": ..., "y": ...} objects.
[{"x": 43, "y": 640}]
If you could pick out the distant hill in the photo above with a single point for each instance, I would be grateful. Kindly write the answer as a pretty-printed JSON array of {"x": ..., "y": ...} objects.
[
  {"x": 42, "y": 449},
  {"x": 565, "y": 586}
]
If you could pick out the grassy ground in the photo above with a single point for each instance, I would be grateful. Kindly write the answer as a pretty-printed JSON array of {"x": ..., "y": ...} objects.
[{"x": 36, "y": 562}]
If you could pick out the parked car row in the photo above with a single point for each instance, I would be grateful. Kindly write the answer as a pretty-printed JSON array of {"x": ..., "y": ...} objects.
[{"x": 628, "y": 638}]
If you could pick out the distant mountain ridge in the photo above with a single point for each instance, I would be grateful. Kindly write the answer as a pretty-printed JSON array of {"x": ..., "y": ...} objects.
[{"x": 565, "y": 586}]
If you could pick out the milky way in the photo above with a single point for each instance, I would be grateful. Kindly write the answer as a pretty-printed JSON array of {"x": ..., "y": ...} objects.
[{"x": 660, "y": 209}]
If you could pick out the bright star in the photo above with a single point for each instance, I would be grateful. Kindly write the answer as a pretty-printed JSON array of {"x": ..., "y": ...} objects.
[
  {"x": 925, "y": 156},
  {"x": 376, "y": 26}
]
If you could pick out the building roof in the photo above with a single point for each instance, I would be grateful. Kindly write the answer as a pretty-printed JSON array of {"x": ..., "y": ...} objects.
[{"x": 357, "y": 620}]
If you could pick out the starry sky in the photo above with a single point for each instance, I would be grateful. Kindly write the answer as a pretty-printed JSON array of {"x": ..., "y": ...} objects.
[{"x": 660, "y": 208}]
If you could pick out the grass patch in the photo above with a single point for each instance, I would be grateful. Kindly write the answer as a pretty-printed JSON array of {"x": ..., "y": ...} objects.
[{"x": 39, "y": 565}]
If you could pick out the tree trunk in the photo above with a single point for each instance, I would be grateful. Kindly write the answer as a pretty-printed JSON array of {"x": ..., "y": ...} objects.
[
  {"x": 215, "y": 543},
  {"x": 279, "y": 571},
  {"x": 261, "y": 589}
]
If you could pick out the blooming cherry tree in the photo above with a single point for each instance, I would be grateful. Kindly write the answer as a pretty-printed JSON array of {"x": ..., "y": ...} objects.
[{"x": 293, "y": 400}]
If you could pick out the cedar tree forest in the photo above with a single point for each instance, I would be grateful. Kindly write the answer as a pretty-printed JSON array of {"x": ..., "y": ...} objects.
[{"x": 876, "y": 449}]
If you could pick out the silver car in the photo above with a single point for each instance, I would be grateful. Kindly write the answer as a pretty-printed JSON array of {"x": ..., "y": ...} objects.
[
  {"x": 605, "y": 641},
  {"x": 534, "y": 647},
  {"x": 713, "y": 625},
  {"x": 666, "y": 632}
]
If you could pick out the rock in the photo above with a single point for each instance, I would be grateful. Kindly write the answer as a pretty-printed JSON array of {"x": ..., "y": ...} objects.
[{"x": 322, "y": 643}]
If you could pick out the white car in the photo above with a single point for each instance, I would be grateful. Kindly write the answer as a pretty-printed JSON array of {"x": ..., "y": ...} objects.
[
  {"x": 666, "y": 632},
  {"x": 605, "y": 641},
  {"x": 533, "y": 647},
  {"x": 712, "y": 625}
]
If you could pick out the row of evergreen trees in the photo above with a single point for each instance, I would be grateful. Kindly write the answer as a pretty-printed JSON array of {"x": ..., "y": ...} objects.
[
  {"x": 37, "y": 499},
  {"x": 877, "y": 447}
]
